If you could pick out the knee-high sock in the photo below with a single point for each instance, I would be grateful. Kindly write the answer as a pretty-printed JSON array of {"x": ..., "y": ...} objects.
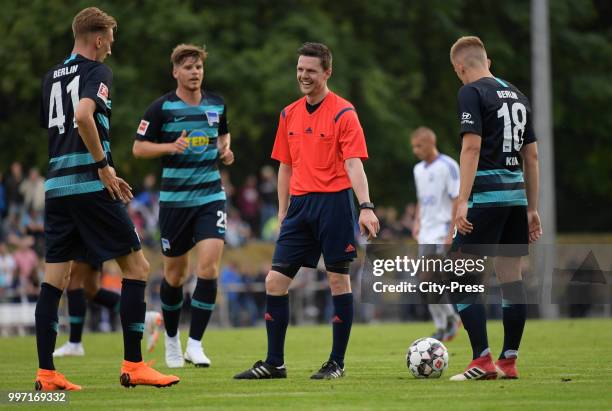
[
  {"x": 46, "y": 324},
  {"x": 341, "y": 324},
  {"x": 514, "y": 313},
  {"x": 132, "y": 312},
  {"x": 77, "y": 307},
  {"x": 171, "y": 302},
  {"x": 277, "y": 320},
  {"x": 202, "y": 306},
  {"x": 108, "y": 299}
]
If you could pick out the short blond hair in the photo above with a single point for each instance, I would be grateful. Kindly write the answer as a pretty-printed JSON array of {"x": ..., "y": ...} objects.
[
  {"x": 92, "y": 20},
  {"x": 184, "y": 51},
  {"x": 470, "y": 50},
  {"x": 423, "y": 132}
]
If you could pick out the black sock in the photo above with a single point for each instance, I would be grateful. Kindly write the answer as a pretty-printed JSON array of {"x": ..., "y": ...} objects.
[
  {"x": 132, "y": 312},
  {"x": 341, "y": 325},
  {"x": 108, "y": 299},
  {"x": 77, "y": 307},
  {"x": 171, "y": 302},
  {"x": 202, "y": 306},
  {"x": 277, "y": 320},
  {"x": 474, "y": 318},
  {"x": 46, "y": 324},
  {"x": 514, "y": 316}
]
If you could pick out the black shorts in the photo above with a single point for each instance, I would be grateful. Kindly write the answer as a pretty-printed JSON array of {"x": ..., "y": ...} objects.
[
  {"x": 317, "y": 223},
  {"x": 502, "y": 231},
  {"x": 88, "y": 227},
  {"x": 182, "y": 228}
]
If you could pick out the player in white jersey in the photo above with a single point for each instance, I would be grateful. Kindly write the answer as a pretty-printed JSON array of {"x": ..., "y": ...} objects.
[{"x": 436, "y": 178}]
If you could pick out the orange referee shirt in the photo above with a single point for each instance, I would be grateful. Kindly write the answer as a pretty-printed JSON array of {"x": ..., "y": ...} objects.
[{"x": 316, "y": 145}]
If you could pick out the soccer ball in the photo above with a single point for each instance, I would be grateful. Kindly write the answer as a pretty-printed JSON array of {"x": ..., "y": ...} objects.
[{"x": 427, "y": 358}]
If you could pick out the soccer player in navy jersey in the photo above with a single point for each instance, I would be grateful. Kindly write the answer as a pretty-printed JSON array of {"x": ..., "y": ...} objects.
[
  {"x": 187, "y": 128},
  {"x": 85, "y": 214},
  {"x": 497, "y": 209}
]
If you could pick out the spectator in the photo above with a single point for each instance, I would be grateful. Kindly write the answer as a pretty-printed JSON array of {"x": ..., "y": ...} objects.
[
  {"x": 32, "y": 224},
  {"x": 26, "y": 262},
  {"x": 228, "y": 187},
  {"x": 7, "y": 271},
  {"x": 14, "y": 198},
  {"x": 238, "y": 232},
  {"x": 146, "y": 203},
  {"x": 33, "y": 191},
  {"x": 3, "y": 205},
  {"x": 248, "y": 203},
  {"x": 269, "y": 196}
]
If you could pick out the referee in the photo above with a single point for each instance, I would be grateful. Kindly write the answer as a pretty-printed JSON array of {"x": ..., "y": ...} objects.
[{"x": 320, "y": 145}]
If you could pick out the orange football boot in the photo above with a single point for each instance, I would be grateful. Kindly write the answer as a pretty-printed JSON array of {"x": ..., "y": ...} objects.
[
  {"x": 51, "y": 380},
  {"x": 139, "y": 373}
]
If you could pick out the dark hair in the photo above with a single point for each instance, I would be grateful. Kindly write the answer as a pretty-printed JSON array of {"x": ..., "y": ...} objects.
[{"x": 317, "y": 50}]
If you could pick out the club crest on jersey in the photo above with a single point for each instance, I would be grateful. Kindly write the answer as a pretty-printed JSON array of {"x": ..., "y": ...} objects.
[
  {"x": 142, "y": 127},
  {"x": 212, "y": 117},
  {"x": 165, "y": 244},
  {"x": 198, "y": 142},
  {"x": 103, "y": 92}
]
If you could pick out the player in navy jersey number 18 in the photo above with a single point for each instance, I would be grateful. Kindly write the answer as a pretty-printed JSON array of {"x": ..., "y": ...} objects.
[
  {"x": 85, "y": 218},
  {"x": 187, "y": 128},
  {"x": 498, "y": 200}
]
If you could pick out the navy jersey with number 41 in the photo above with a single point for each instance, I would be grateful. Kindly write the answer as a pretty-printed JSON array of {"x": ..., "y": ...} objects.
[
  {"x": 71, "y": 167},
  {"x": 498, "y": 112}
]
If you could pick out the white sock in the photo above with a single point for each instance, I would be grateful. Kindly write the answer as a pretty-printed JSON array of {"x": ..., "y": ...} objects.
[
  {"x": 448, "y": 310},
  {"x": 193, "y": 343},
  {"x": 438, "y": 315}
]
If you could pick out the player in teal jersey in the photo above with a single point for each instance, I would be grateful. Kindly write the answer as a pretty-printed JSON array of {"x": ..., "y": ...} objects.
[
  {"x": 84, "y": 217},
  {"x": 187, "y": 128}
]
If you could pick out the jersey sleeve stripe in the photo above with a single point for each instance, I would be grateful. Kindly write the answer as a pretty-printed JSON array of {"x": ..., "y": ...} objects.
[{"x": 341, "y": 112}]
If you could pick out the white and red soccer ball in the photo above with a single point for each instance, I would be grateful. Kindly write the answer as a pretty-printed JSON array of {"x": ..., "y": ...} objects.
[{"x": 427, "y": 358}]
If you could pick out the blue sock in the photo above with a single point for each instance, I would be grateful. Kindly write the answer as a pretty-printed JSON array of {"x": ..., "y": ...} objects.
[
  {"x": 474, "y": 318},
  {"x": 171, "y": 302},
  {"x": 132, "y": 311},
  {"x": 341, "y": 325},
  {"x": 77, "y": 307},
  {"x": 277, "y": 320},
  {"x": 46, "y": 324},
  {"x": 202, "y": 306},
  {"x": 514, "y": 313}
]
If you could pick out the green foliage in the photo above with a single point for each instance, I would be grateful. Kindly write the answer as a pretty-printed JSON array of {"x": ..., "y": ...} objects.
[{"x": 390, "y": 60}]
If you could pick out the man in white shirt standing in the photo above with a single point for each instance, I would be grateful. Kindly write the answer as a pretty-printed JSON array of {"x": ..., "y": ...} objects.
[{"x": 437, "y": 183}]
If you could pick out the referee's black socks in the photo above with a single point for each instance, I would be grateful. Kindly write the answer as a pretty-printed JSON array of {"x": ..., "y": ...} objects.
[
  {"x": 342, "y": 322},
  {"x": 277, "y": 320}
]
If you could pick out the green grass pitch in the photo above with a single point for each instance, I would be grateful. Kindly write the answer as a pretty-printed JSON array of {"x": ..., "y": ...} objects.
[{"x": 564, "y": 365}]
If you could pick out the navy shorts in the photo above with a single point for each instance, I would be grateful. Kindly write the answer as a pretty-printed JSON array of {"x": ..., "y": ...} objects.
[
  {"x": 502, "y": 231},
  {"x": 88, "y": 227},
  {"x": 182, "y": 228},
  {"x": 317, "y": 223}
]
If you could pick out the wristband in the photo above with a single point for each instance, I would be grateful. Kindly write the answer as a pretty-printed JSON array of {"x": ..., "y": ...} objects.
[
  {"x": 366, "y": 206},
  {"x": 102, "y": 163}
]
